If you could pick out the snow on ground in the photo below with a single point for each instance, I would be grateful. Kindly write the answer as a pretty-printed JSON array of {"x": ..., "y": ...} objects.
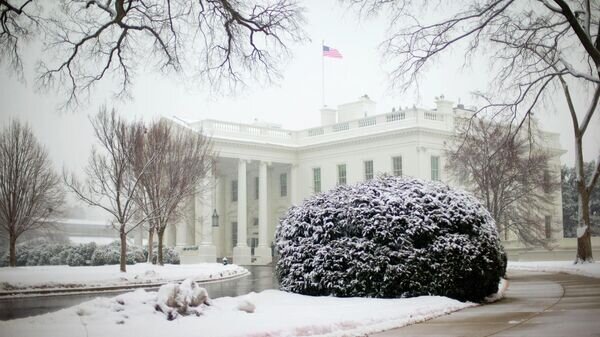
[
  {"x": 100, "y": 276},
  {"x": 586, "y": 269},
  {"x": 277, "y": 313}
]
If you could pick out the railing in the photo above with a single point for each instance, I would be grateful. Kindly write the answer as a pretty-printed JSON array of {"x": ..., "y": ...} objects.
[
  {"x": 433, "y": 116},
  {"x": 395, "y": 116},
  {"x": 228, "y": 127},
  {"x": 340, "y": 127},
  {"x": 399, "y": 119},
  {"x": 315, "y": 132},
  {"x": 367, "y": 122}
]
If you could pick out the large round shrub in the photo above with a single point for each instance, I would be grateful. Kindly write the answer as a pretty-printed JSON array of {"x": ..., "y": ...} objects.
[{"x": 390, "y": 237}]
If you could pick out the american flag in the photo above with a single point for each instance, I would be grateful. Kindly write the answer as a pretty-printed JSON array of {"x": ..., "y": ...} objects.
[{"x": 331, "y": 52}]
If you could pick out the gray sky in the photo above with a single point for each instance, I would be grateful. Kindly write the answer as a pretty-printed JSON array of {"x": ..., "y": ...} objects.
[{"x": 293, "y": 102}]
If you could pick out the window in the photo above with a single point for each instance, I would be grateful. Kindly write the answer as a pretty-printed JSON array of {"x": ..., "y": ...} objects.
[
  {"x": 547, "y": 181},
  {"x": 317, "y": 179},
  {"x": 341, "y": 168},
  {"x": 368, "y": 169},
  {"x": 234, "y": 233},
  {"x": 397, "y": 166},
  {"x": 283, "y": 184},
  {"x": 256, "y": 188},
  {"x": 435, "y": 168},
  {"x": 548, "y": 223},
  {"x": 234, "y": 190}
]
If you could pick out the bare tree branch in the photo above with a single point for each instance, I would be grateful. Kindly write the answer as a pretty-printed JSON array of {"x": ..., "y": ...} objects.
[{"x": 107, "y": 40}]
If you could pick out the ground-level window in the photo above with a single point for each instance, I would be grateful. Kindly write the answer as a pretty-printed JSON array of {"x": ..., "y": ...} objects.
[
  {"x": 341, "y": 168},
  {"x": 397, "y": 166},
  {"x": 234, "y": 190},
  {"x": 234, "y": 233},
  {"x": 317, "y": 179},
  {"x": 283, "y": 184},
  {"x": 368, "y": 169},
  {"x": 548, "y": 223},
  {"x": 256, "y": 190},
  {"x": 435, "y": 168}
]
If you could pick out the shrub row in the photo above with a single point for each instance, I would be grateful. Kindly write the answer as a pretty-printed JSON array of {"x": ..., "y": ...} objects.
[{"x": 41, "y": 252}]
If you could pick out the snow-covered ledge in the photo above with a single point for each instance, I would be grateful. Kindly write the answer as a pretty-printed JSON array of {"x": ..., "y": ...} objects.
[
  {"x": 197, "y": 254},
  {"x": 84, "y": 278}
]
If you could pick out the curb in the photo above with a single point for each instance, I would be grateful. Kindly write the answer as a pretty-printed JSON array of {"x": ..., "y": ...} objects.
[{"x": 86, "y": 290}]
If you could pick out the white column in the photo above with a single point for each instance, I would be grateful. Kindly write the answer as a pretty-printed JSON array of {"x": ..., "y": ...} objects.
[
  {"x": 241, "y": 252},
  {"x": 294, "y": 192},
  {"x": 204, "y": 210},
  {"x": 263, "y": 251},
  {"x": 219, "y": 232}
]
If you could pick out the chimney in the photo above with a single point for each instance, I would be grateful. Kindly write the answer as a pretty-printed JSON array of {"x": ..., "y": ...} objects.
[
  {"x": 443, "y": 105},
  {"x": 328, "y": 116}
]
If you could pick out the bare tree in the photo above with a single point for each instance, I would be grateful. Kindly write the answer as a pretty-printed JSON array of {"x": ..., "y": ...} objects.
[
  {"x": 19, "y": 21},
  {"x": 30, "y": 190},
  {"x": 509, "y": 173},
  {"x": 223, "y": 41},
  {"x": 534, "y": 49},
  {"x": 111, "y": 183},
  {"x": 182, "y": 159}
]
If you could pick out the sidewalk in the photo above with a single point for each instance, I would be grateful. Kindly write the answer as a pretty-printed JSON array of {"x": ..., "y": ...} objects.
[{"x": 536, "y": 304}]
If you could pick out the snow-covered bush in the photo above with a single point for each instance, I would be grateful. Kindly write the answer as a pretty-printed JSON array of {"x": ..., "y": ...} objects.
[
  {"x": 390, "y": 237},
  {"x": 75, "y": 259},
  {"x": 106, "y": 254},
  {"x": 170, "y": 255},
  {"x": 111, "y": 254},
  {"x": 181, "y": 299},
  {"x": 39, "y": 252}
]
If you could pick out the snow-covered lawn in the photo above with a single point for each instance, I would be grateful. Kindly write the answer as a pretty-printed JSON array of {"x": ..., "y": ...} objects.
[
  {"x": 101, "y": 276},
  {"x": 586, "y": 269},
  {"x": 276, "y": 313}
]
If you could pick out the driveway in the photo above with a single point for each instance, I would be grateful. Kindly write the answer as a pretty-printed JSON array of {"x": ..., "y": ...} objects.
[{"x": 535, "y": 304}]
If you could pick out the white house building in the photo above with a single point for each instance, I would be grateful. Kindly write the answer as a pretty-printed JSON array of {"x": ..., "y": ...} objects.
[{"x": 262, "y": 169}]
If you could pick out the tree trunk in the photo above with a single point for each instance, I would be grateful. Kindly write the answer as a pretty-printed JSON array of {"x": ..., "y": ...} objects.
[
  {"x": 150, "y": 245},
  {"x": 161, "y": 235},
  {"x": 123, "y": 259},
  {"x": 584, "y": 240},
  {"x": 13, "y": 251}
]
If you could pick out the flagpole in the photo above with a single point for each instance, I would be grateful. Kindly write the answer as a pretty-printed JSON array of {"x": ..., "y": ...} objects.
[{"x": 322, "y": 73}]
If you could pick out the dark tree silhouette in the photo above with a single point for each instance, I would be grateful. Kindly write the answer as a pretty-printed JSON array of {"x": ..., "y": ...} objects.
[{"x": 30, "y": 190}]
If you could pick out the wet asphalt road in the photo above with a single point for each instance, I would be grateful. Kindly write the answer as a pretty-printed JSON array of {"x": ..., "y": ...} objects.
[{"x": 261, "y": 278}]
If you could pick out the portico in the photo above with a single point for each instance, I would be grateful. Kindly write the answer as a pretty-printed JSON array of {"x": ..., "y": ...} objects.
[{"x": 247, "y": 196}]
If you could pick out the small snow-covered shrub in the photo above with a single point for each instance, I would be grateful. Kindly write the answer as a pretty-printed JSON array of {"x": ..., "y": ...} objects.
[
  {"x": 170, "y": 255},
  {"x": 107, "y": 254},
  {"x": 181, "y": 299},
  {"x": 75, "y": 259},
  {"x": 85, "y": 250},
  {"x": 390, "y": 237},
  {"x": 138, "y": 254},
  {"x": 111, "y": 254}
]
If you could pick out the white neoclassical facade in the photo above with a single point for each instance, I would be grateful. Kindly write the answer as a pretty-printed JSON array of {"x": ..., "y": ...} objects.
[{"x": 262, "y": 169}]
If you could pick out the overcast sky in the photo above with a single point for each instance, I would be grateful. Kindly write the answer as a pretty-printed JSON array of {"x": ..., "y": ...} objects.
[{"x": 293, "y": 102}]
